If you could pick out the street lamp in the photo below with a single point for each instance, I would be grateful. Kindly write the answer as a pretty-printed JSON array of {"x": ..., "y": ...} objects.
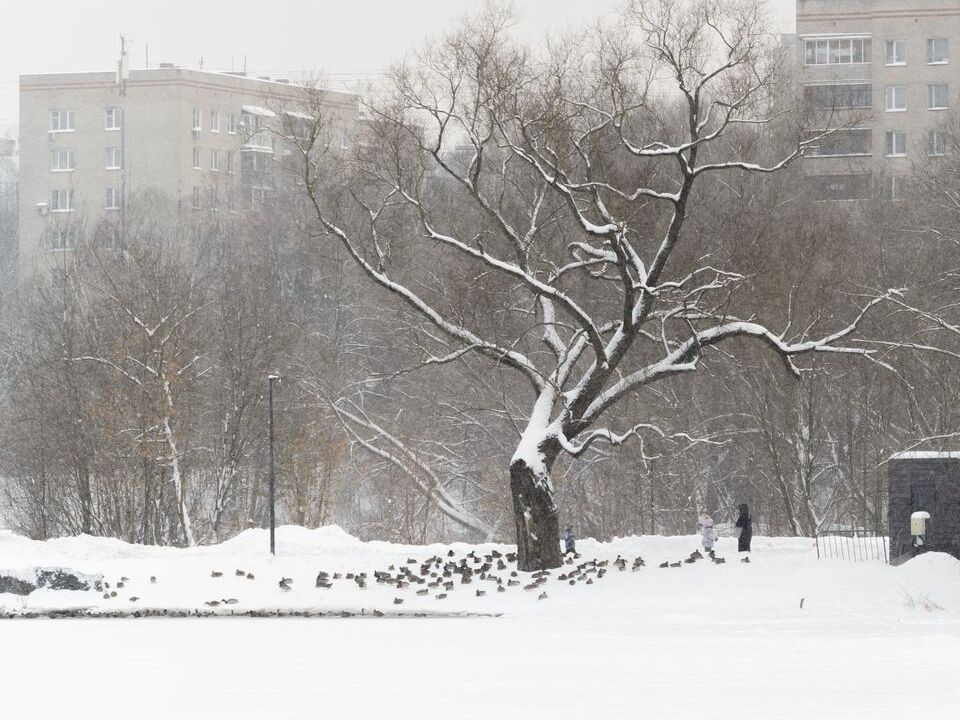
[{"x": 273, "y": 483}]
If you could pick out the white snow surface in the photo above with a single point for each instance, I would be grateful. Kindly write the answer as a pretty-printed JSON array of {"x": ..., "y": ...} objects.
[{"x": 871, "y": 641}]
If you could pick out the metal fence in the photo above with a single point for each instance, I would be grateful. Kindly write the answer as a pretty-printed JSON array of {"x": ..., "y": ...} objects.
[{"x": 855, "y": 545}]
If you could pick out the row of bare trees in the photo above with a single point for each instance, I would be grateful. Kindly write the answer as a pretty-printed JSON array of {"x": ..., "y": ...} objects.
[{"x": 588, "y": 284}]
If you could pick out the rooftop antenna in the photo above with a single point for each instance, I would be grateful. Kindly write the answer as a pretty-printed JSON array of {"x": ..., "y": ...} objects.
[{"x": 123, "y": 67}]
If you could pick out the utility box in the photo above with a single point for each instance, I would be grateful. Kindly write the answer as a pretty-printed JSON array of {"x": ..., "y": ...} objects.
[{"x": 923, "y": 503}]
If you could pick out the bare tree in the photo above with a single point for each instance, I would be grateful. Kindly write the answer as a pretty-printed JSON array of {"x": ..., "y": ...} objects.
[{"x": 567, "y": 182}]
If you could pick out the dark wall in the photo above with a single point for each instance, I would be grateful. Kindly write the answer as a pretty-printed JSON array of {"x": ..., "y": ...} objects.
[{"x": 931, "y": 484}]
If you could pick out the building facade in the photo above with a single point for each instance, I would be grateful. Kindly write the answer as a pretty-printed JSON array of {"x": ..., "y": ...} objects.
[
  {"x": 886, "y": 73},
  {"x": 200, "y": 141}
]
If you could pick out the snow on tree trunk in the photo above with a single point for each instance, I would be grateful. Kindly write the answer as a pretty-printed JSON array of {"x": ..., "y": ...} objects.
[{"x": 534, "y": 509}]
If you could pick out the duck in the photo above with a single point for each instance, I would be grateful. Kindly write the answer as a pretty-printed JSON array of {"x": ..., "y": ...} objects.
[
  {"x": 250, "y": 576},
  {"x": 424, "y": 591},
  {"x": 397, "y": 601},
  {"x": 239, "y": 573},
  {"x": 501, "y": 588},
  {"x": 481, "y": 593},
  {"x": 377, "y": 613},
  {"x": 542, "y": 596},
  {"x": 214, "y": 574},
  {"x": 441, "y": 596},
  {"x": 675, "y": 564}
]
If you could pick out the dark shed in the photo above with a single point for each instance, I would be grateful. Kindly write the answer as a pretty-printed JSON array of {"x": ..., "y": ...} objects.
[{"x": 928, "y": 481}]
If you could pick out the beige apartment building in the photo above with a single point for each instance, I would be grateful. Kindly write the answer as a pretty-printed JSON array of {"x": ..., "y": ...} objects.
[
  {"x": 889, "y": 72},
  {"x": 202, "y": 141}
]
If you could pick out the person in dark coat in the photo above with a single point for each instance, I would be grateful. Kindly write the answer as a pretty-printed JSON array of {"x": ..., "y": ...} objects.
[
  {"x": 745, "y": 523},
  {"x": 569, "y": 541}
]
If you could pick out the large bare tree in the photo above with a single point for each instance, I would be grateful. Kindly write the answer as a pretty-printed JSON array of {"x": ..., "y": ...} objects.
[{"x": 567, "y": 181}]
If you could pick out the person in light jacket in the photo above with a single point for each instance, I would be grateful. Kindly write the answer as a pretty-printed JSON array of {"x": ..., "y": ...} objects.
[
  {"x": 745, "y": 523},
  {"x": 708, "y": 534},
  {"x": 569, "y": 541}
]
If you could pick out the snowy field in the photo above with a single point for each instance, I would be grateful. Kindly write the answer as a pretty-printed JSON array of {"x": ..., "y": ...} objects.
[{"x": 700, "y": 640}]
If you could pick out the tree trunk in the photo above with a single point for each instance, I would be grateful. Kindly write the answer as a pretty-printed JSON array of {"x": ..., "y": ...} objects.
[{"x": 535, "y": 513}]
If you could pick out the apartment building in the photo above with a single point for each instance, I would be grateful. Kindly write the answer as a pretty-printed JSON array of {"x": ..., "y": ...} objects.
[
  {"x": 887, "y": 72},
  {"x": 204, "y": 142}
]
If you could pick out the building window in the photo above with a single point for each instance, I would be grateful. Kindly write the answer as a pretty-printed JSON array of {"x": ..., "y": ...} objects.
[
  {"x": 111, "y": 119},
  {"x": 896, "y": 52},
  {"x": 61, "y": 121},
  {"x": 898, "y": 187},
  {"x": 841, "y": 187},
  {"x": 197, "y": 120},
  {"x": 113, "y": 158},
  {"x": 215, "y": 160},
  {"x": 214, "y": 121},
  {"x": 854, "y": 95},
  {"x": 232, "y": 123},
  {"x": 938, "y": 51},
  {"x": 231, "y": 159},
  {"x": 61, "y": 201},
  {"x": 938, "y": 96},
  {"x": 214, "y": 198},
  {"x": 896, "y": 143},
  {"x": 231, "y": 199},
  {"x": 896, "y": 96},
  {"x": 62, "y": 160},
  {"x": 937, "y": 143},
  {"x": 113, "y": 199},
  {"x": 344, "y": 139},
  {"x": 196, "y": 196},
  {"x": 196, "y": 158},
  {"x": 62, "y": 239},
  {"x": 837, "y": 51},
  {"x": 841, "y": 143}
]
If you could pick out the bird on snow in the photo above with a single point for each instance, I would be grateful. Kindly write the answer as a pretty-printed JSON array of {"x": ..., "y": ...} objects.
[
  {"x": 397, "y": 601},
  {"x": 230, "y": 601},
  {"x": 249, "y": 576},
  {"x": 134, "y": 598},
  {"x": 441, "y": 596},
  {"x": 513, "y": 583},
  {"x": 481, "y": 593},
  {"x": 589, "y": 581},
  {"x": 120, "y": 584},
  {"x": 216, "y": 574},
  {"x": 124, "y": 578},
  {"x": 212, "y": 603},
  {"x": 239, "y": 573},
  {"x": 675, "y": 564},
  {"x": 746, "y": 560},
  {"x": 542, "y": 596},
  {"x": 284, "y": 584},
  {"x": 501, "y": 588},
  {"x": 377, "y": 613},
  {"x": 719, "y": 560},
  {"x": 153, "y": 578},
  {"x": 423, "y": 592}
]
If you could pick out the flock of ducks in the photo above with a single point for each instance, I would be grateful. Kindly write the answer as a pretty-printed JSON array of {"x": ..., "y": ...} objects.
[{"x": 441, "y": 575}]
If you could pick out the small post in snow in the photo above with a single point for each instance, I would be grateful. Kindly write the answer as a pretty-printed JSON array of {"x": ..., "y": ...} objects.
[{"x": 273, "y": 484}]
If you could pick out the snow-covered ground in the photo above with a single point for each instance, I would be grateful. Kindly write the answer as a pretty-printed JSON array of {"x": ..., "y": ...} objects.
[{"x": 701, "y": 640}]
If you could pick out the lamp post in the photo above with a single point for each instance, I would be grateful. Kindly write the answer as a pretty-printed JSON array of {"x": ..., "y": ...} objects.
[{"x": 273, "y": 483}]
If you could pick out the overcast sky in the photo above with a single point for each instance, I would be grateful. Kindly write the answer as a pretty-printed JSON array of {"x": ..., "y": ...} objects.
[{"x": 278, "y": 37}]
